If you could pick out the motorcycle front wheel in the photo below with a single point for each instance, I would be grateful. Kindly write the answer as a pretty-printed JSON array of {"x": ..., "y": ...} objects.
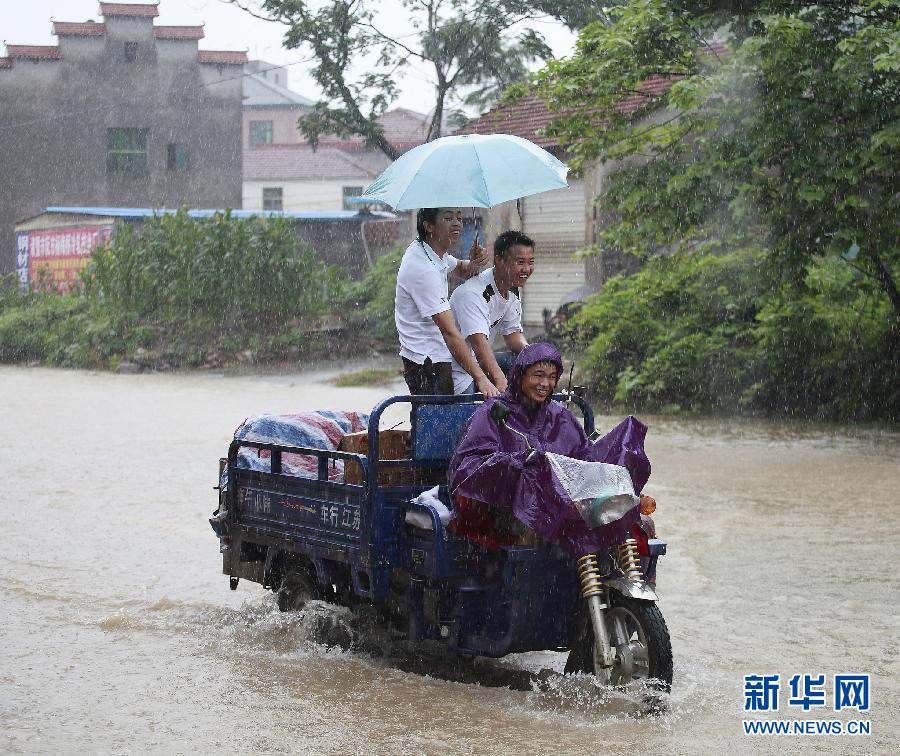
[{"x": 639, "y": 634}]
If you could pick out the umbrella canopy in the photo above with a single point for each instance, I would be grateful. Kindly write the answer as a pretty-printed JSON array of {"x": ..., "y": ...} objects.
[{"x": 471, "y": 170}]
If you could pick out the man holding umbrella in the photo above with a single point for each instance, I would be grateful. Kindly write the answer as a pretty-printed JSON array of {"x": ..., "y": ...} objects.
[
  {"x": 466, "y": 170},
  {"x": 429, "y": 338}
]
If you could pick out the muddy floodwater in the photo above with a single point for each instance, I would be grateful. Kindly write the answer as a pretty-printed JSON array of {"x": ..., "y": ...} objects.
[{"x": 119, "y": 633}]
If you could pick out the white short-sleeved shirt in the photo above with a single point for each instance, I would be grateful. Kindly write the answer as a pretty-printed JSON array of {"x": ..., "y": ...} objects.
[
  {"x": 479, "y": 308},
  {"x": 422, "y": 293}
]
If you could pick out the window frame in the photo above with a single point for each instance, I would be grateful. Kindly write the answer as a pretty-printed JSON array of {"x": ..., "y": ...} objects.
[
  {"x": 126, "y": 151},
  {"x": 350, "y": 191},
  {"x": 176, "y": 157},
  {"x": 269, "y": 135},
  {"x": 130, "y": 51},
  {"x": 268, "y": 201}
]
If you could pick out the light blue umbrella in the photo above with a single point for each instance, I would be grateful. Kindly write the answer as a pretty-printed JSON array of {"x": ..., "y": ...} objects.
[{"x": 471, "y": 170}]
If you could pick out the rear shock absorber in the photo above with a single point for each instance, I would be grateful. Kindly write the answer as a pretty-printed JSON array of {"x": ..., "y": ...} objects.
[
  {"x": 630, "y": 560},
  {"x": 594, "y": 592},
  {"x": 591, "y": 580}
]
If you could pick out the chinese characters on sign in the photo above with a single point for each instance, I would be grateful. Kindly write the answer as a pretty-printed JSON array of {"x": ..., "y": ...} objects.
[
  {"x": 340, "y": 515},
  {"x": 58, "y": 255},
  {"x": 294, "y": 509},
  {"x": 807, "y": 692},
  {"x": 761, "y": 692}
]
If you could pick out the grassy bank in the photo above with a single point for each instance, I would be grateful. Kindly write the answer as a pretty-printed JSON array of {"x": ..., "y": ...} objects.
[
  {"x": 704, "y": 332},
  {"x": 701, "y": 331},
  {"x": 189, "y": 293}
]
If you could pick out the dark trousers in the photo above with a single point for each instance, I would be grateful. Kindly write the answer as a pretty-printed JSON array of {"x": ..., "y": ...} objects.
[{"x": 428, "y": 378}]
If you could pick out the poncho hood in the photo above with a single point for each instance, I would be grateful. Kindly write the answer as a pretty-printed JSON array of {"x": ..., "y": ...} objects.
[
  {"x": 493, "y": 464},
  {"x": 530, "y": 355}
]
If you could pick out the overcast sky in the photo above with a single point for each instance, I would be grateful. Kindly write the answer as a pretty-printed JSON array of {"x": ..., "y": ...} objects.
[{"x": 229, "y": 28}]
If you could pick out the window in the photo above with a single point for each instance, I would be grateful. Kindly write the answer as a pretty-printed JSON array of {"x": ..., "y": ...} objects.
[
  {"x": 272, "y": 198},
  {"x": 131, "y": 49},
  {"x": 176, "y": 158},
  {"x": 348, "y": 192},
  {"x": 260, "y": 133},
  {"x": 126, "y": 152}
]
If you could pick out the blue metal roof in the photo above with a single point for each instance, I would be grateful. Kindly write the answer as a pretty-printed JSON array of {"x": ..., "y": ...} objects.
[
  {"x": 363, "y": 201},
  {"x": 135, "y": 213}
]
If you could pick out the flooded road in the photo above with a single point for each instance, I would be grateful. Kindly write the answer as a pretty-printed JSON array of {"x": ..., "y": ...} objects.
[{"x": 120, "y": 634}]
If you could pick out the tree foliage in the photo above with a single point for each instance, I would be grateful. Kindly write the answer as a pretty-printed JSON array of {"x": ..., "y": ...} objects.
[
  {"x": 779, "y": 134},
  {"x": 467, "y": 45},
  {"x": 372, "y": 297},
  {"x": 720, "y": 332},
  {"x": 781, "y": 127}
]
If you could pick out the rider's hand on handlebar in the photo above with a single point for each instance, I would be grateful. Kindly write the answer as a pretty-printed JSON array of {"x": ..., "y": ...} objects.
[{"x": 486, "y": 387}]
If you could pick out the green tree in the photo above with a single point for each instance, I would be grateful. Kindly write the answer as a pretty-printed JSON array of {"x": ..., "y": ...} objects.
[
  {"x": 467, "y": 43},
  {"x": 575, "y": 14},
  {"x": 720, "y": 332},
  {"x": 782, "y": 128}
]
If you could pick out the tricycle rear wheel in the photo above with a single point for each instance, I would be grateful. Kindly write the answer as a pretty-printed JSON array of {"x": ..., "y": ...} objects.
[
  {"x": 298, "y": 587},
  {"x": 639, "y": 633}
]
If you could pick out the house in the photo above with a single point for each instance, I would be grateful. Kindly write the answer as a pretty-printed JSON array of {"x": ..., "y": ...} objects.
[
  {"x": 270, "y": 109},
  {"x": 562, "y": 221},
  {"x": 121, "y": 112},
  {"x": 294, "y": 177},
  {"x": 281, "y": 170}
]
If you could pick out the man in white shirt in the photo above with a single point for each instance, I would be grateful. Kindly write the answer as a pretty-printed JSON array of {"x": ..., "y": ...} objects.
[
  {"x": 487, "y": 305},
  {"x": 429, "y": 338}
]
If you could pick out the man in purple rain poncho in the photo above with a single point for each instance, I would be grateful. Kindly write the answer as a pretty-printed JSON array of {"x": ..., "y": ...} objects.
[{"x": 493, "y": 466}]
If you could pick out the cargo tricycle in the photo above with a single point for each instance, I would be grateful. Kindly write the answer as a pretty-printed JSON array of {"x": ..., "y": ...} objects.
[{"x": 347, "y": 540}]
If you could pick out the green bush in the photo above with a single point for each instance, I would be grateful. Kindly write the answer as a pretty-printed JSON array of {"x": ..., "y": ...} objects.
[
  {"x": 220, "y": 271},
  {"x": 373, "y": 296},
  {"x": 828, "y": 351},
  {"x": 700, "y": 331},
  {"x": 182, "y": 289}
]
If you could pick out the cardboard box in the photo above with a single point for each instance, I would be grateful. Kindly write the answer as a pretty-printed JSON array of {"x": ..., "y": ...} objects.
[{"x": 392, "y": 444}]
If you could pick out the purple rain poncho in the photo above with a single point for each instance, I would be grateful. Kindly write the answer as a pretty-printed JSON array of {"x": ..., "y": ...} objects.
[{"x": 488, "y": 465}]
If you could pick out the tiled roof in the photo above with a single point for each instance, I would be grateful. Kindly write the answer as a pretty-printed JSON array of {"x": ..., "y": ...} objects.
[
  {"x": 300, "y": 163},
  {"x": 87, "y": 29},
  {"x": 529, "y": 116},
  {"x": 222, "y": 57},
  {"x": 178, "y": 32},
  {"x": 5, "y": 63},
  {"x": 403, "y": 128},
  {"x": 35, "y": 52},
  {"x": 259, "y": 92},
  {"x": 524, "y": 118},
  {"x": 126, "y": 9},
  {"x": 404, "y": 125}
]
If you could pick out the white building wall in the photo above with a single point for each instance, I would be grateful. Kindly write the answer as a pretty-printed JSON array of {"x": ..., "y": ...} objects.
[
  {"x": 559, "y": 223},
  {"x": 301, "y": 195},
  {"x": 556, "y": 222}
]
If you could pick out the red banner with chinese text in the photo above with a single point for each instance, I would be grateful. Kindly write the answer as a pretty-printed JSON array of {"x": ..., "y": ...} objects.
[{"x": 57, "y": 256}]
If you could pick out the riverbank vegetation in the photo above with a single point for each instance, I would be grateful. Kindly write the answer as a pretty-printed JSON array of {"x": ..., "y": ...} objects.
[
  {"x": 183, "y": 293},
  {"x": 760, "y": 191},
  {"x": 367, "y": 377}
]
